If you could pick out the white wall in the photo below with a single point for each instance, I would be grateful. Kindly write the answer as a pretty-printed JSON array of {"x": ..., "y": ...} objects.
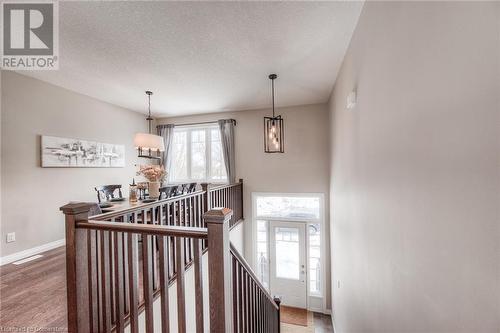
[
  {"x": 415, "y": 170},
  {"x": 31, "y": 195},
  {"x": 302, "y": 168},
  {"x": 237, "y": 237}
]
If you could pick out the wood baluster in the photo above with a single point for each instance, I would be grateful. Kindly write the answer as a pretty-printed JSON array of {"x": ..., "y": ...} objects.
[
  {"x": 206, "y": 198},
  {"x": 198, "y": 285},
  {"x": 242, "y": 215},
  {"x": 255, "y": 310},
  {"x": 230, "y": 204},
  {"x": 277, "y": 300},
  {"x": 147, "y": 281},
  {"x": 92, "y": 281},
  {"x": 247, "y": 305},
  {"x": 125, "y": 267},
  {"x": 105, "y": 282},
  {"x": 160, "y": 215},
  {"x": 185, "y": 241},
  {"x": 258, "y": 309},
  {"x": 154, "y": 255},
  {"x": 173, "y": 242},
  {"x": 265, "y": 310},
  {"x": 112, "y": 277},
  {"x": 181, "y": 300},
  {"x": 169, "y": 242},
  {"x": 164, "y": 279},
  {"x": 133, "y": 285},
  {"x": 118, "y": 268},
  {"x": 100, "y": 293},
  {"x": 191, "y": 224},
  {"x": 235, "y": 294},
  {"x": 240, "y": 289},
  {"x": 252, "y": 304}
]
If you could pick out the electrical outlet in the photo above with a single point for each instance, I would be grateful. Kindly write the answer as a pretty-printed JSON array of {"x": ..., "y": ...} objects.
[
  {"x": 11, "y": 237},
  {"x": 338, "y": 284}
]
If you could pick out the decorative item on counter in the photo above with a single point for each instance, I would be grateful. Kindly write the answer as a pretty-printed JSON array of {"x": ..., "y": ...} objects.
[
  {"x": 132, "y": 197},
  {"x": 155, "y": 174},
  {"x": 142, "y": 188}
]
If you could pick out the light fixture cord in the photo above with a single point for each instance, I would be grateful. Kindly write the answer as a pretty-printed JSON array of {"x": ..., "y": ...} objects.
[
  {"x": 149, "y": 113},
  {"x": 272, "y": 83}
]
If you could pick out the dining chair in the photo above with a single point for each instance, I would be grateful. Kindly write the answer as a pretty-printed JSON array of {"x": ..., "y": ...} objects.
[
  {"x": 167, "y": 191},
  {"x": 192, "y": 188},
  {"x": 107, "y": 192},
  {"x": 180, "y": 189}
]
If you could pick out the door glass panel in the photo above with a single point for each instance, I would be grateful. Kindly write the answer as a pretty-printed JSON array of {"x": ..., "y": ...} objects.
[{"x": 287, "y": 253}]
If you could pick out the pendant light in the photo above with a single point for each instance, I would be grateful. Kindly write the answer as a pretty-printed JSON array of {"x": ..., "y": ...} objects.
[
  {"x": 149, "y": 145},
  {"x": 273, "y": 128}
]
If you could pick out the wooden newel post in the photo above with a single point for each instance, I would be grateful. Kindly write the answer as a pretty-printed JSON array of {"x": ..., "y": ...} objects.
[
  {"x": 77, "y": 268},
  {"x": 219, "y": 265},
  {"x": 277, "y": 300}
]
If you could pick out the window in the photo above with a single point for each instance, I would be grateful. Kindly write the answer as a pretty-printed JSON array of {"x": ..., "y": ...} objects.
[
  {"x": 291, "y": 207},
  {"x": 262, "y": 253},
  {"x": 314, "y": 259},
  {"x": 197, "y": 155}
]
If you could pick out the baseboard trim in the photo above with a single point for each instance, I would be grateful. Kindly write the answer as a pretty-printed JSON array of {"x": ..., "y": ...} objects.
[
  {"x": 319, "y": 310},
  {"x": 31, "y": 252}
]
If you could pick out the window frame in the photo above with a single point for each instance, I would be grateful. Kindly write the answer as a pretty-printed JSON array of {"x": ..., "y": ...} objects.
[{"x": 208, "y": 154}]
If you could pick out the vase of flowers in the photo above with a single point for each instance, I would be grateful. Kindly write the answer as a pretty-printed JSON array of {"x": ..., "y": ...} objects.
[{"x": 155, "y": 174}]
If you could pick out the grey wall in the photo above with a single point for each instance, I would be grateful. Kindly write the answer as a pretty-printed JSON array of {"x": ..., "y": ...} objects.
[
  {"x": 302, "y": 168},
  {"x": 31, "y": 195},
  {"x": 415, "y": 171}
]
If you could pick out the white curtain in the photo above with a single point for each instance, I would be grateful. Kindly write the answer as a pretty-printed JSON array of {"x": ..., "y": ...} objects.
[
  {"x": 226, "y": 127},
  {"x": 167, "y": 133}
]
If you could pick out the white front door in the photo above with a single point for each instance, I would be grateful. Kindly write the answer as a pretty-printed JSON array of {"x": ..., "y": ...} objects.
[{"x": 288, "y": 262}]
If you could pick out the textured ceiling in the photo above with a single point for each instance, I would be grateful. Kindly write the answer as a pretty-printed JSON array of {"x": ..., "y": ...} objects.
[{"x": 200, "y": 57}]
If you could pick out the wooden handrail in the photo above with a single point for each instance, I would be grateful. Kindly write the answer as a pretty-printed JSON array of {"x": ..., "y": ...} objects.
[
  {"x": 250, "y": 272},
  {"x": 214, "y": 187},
  {"x": 149, "y": 229},
  {"x": 143, "y": 206}
]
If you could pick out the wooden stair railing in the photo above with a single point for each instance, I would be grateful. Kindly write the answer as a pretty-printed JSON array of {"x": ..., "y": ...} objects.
[
  {"x": 254, "y": 309},
  {"x": 230, "y": 195},
  {"x": 119, "y": 263}
]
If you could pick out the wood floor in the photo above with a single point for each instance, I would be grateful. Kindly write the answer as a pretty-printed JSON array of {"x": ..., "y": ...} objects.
[
  {"x": 33, "y": 298},
  {"x": 33, "y": 295}
]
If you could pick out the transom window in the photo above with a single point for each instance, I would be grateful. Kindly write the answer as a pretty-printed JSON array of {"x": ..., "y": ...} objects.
[{"x": 197, "y": 155}]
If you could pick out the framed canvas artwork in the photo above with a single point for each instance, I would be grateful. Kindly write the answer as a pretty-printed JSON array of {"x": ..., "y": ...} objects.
[{"x": 59, "y": 152}]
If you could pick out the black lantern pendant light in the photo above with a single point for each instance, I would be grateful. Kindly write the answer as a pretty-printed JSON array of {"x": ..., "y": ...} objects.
[{"x": 273, "y": 128}]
